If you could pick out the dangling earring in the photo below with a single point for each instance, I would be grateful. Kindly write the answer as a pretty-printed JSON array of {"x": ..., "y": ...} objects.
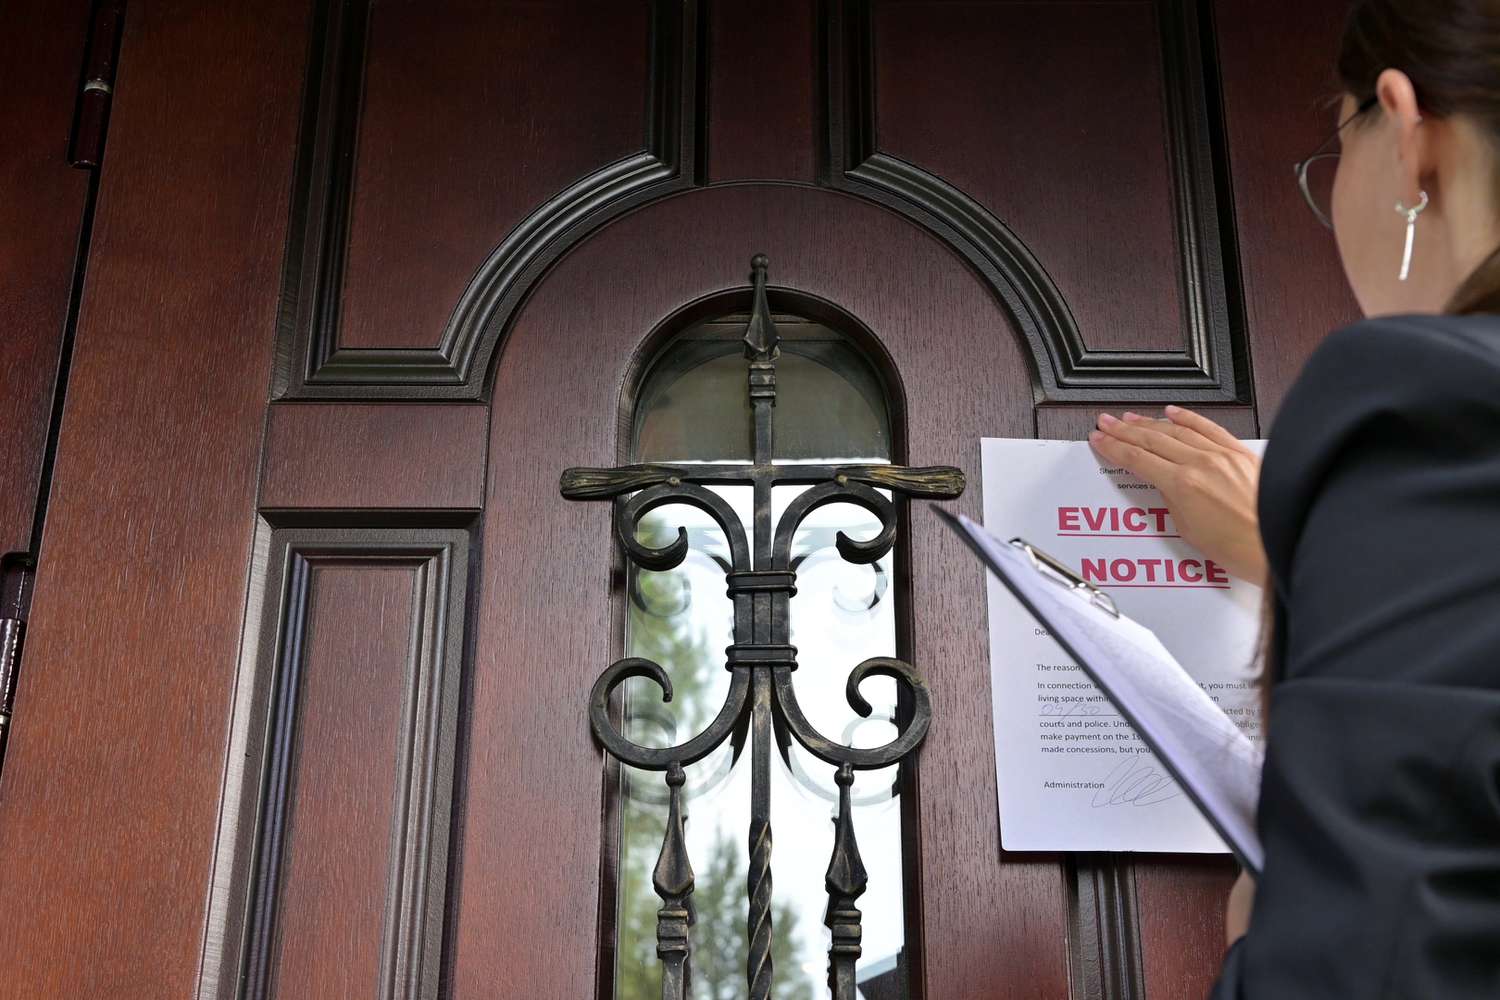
[{"x": 1411, "y": 230}]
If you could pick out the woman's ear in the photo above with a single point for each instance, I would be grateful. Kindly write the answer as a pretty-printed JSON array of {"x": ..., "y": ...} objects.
[{"x": 1398, "y": 99}]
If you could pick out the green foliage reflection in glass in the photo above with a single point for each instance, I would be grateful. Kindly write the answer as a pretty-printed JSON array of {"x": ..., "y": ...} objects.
[{"x": 693, "y": 407}]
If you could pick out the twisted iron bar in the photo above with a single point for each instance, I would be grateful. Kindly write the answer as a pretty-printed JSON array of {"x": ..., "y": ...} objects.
[
  {"x": 761, "y": 580},
  {"x": 758, "y": 969}
]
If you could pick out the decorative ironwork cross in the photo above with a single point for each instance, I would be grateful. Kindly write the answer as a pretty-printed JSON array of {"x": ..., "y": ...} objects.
[{"x": 761, "y": 659}]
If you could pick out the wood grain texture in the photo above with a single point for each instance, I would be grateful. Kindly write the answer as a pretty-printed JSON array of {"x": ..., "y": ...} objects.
[
  {"x": 330, "y": 867},
  {"x": 352, "y": 456},
  {"x": 1274, "y": 90},
  {"x": 41, "y": 212},
  {"x": 1181, "y": 919},
  {"x": 762, "y": 91},
  {"x": 545, "y": 634},
  {"x": 112, "y": 782},
  {"x": 341, "y": 817},
  {"x": 473, "y": 114},
  {"x": 1051, "y": 116},
  {"x": 1073, "y": 423}
]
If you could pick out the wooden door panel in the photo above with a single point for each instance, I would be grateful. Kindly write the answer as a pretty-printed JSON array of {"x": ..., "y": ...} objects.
[
  {"x": 761, "y": 95},
  {"x": 41, "y": 219},
  {"x": 545, "y": 627},
  {"x": 1034, "y": 209},
  {"x": 333, "y": 847},
  {"x": 1293, "y": 284},
  {"x": 458, "y": 235},
  {"x": 319, "y": 457},
  {"x": 975, "y": 94},
  {"x": 112, "y": 785},
  {"x": 470, "y": 115},
  {"x": 1073, "y": 423},
  {"x": 1016, "y": 128},
  {"x": 445, "y": 140},
  {"x": 1181, "y": 923},
  {"x": 339, "y": 807}
]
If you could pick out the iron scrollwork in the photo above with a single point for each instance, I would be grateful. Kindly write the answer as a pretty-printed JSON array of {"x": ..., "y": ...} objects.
[{"x": 761, "y": 580}]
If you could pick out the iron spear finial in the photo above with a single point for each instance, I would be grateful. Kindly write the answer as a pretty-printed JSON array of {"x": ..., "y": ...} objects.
[{"x": 761, "y": 338}]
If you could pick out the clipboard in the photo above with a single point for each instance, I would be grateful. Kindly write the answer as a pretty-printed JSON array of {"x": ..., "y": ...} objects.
[{"x": 1212, "y": 761}]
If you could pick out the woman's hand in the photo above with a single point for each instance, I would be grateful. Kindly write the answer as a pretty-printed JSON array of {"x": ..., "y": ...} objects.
[
  {"x": 1237, "y": 911},
  {"x": 1207, "y": 477}
]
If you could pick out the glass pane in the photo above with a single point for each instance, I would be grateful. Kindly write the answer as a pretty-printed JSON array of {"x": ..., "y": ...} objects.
[
  {"x": 693, "y": 407},
  {"x": 829, "y": 401}
]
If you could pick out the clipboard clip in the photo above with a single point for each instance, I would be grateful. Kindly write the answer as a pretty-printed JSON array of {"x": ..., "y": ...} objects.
[{"x": 1055, "y": 569}]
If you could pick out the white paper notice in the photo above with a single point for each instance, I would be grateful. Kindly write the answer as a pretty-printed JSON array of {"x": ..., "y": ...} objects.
[{"x": 1071, "y": 773}]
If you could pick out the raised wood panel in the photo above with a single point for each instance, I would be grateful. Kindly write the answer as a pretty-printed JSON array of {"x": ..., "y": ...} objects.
[
  {"x": 111, "y": 795},
  {"x": 472, "y": 115},
  {"x": 955, "y": 113},
  {"x": 762, "y": 92},
  {"x": 1169, "y": 336},
  {"x": 1276, "y": 112},
  {"x": 331, "y": 874},
  {"x": 987, "y": 921},
  {"x": 41, "y": 215},
  {"x": 356, "y": 456},
  {"x": 449, "y": 153},
  {"x": 974, "y": 93}
]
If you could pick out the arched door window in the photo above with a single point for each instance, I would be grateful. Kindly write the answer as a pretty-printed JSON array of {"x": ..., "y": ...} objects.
[{"x": 822, "y": 407}]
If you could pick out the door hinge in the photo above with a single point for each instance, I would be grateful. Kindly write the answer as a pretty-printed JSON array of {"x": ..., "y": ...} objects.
[
  {"x": 11, "y": 632},
  {"x": 92, "y": 114},
  {"x": 16, "y": 577}
]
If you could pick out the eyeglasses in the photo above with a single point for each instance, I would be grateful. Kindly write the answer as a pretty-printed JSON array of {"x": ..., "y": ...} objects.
[{"x": 1315, "y": 174}]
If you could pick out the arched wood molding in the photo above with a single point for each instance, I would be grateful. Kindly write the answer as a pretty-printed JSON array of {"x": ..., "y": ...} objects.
[
  {"x": 1211, "y": 367},
  {"x": 310, "y": 364},
  {"x": 1206, "y": 370}
]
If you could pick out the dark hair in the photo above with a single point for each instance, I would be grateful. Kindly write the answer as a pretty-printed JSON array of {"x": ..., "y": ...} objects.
[{"x": 1450, "y": 50}]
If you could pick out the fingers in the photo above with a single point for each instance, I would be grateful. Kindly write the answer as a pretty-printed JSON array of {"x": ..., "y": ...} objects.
[
  {"x": 1144, "y": 435},
  {"x": 1186, "y": 435},
  {"x": 1146, "y": 464},
  {"x": 1204, "y": 426},
  {"x": 1158, "y": 450}
]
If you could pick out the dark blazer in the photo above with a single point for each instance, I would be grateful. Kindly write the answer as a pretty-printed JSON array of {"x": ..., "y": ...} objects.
[{"x": 1380, "y": 802}]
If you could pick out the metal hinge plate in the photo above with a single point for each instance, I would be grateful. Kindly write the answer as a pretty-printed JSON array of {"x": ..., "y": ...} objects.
[
  {"x": 92, "y": 115},
  {"x": 11, "y": 632}
]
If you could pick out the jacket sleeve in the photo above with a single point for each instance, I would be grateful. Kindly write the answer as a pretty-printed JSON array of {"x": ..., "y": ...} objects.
[
  {"x": 1380, "y": 799},
  {"x": 1227, "y": 986}
]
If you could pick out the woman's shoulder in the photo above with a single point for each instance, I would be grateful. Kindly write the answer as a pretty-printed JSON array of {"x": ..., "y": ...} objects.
[
  {"x": 1417, "y": 370},
  {"x": 1417, "y": 393},
  {"x": 1401, "y": 359}
]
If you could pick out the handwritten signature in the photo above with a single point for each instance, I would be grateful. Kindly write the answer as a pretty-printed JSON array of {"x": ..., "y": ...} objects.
[{"x": 1137, "y": 783}]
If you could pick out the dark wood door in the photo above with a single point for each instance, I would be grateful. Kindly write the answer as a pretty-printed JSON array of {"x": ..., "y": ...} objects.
[{"x": 303, "y": 710}]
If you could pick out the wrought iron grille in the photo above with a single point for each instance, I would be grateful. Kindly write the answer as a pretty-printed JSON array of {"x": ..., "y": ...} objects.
[{"x": 761, "y": 659}]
